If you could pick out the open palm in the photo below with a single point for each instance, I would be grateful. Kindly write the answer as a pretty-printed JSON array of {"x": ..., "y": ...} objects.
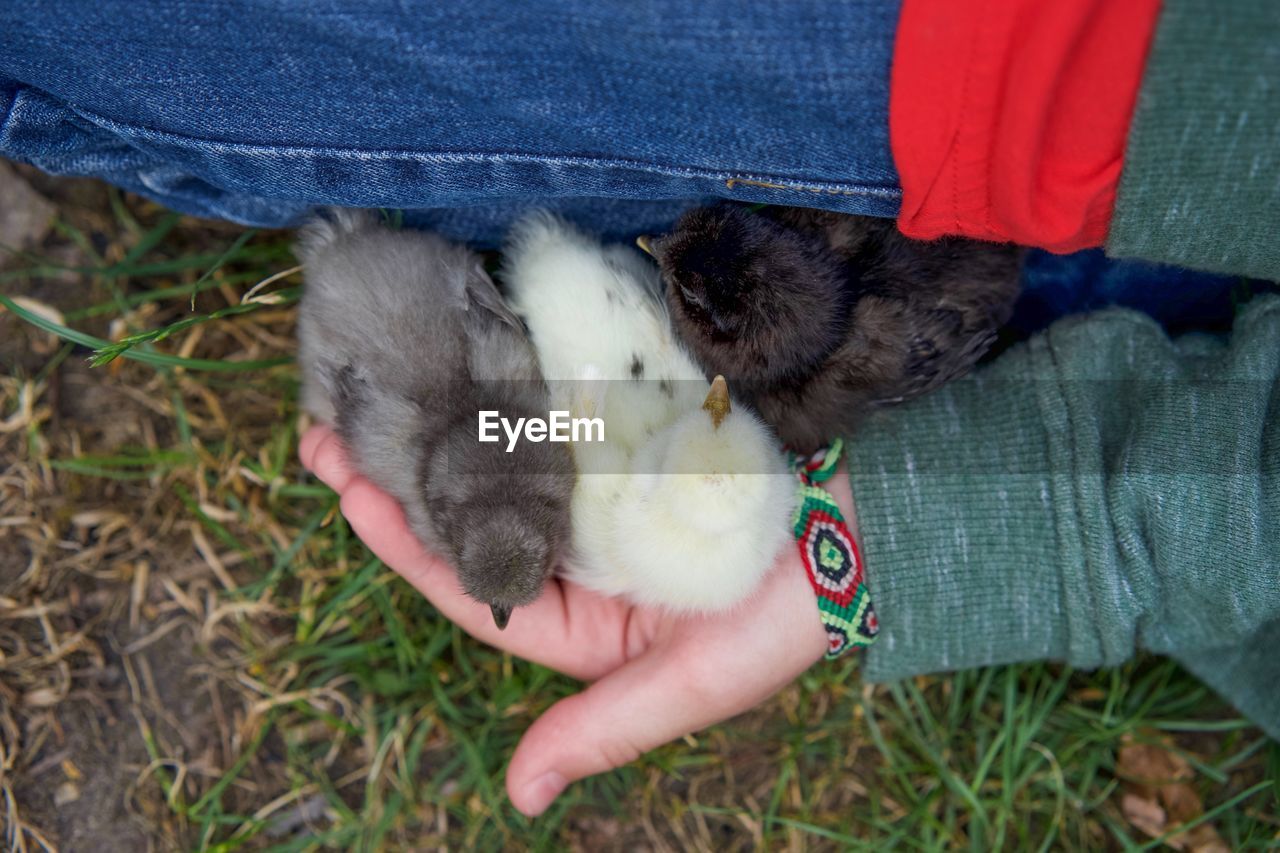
[{"x": 655, "y": 676}]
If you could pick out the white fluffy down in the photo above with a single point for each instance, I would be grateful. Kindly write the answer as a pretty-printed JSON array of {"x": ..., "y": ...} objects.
[
  {"x": 589, "y": 304},
  {"x": 671, "y": 511},
  {"x": 592, "y": 312},
  {"x": 694, "y": 525}
]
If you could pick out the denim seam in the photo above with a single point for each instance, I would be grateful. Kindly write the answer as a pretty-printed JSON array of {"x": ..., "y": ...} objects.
[{"x": 730, "y": 178}]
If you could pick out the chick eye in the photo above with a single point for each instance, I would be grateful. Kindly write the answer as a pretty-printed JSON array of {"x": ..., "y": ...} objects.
[{"x": 691, "y": 296}]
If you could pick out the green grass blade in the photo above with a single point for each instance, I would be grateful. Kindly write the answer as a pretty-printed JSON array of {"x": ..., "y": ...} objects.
[{"x": 155, "y": 359}]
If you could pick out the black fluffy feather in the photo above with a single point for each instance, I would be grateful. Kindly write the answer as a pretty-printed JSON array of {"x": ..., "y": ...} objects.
[{"x": 818, "y": 317}]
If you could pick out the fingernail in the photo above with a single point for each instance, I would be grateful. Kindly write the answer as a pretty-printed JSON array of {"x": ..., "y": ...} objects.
[{"x": 541, "y": 791}]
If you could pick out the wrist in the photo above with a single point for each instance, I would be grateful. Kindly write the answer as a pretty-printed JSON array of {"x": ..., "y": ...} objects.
[
  {"x": 829, "y": 552},
  {"x": 810, "y": 635}
]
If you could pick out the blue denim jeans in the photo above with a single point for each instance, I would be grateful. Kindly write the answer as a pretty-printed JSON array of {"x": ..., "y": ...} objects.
[{"x": 617, "y": 113}]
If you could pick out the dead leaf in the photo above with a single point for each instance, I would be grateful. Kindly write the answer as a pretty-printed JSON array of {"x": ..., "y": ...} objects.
[
  {"x": 1205, "y": 839},
  {"x": 1145, "y": 815},
  {"x": 1181, "y": 802},
  {"x": 1157, "y": 795},
  {"x": 1152, "y": 763},
  {"x": 40, "y": 309}
]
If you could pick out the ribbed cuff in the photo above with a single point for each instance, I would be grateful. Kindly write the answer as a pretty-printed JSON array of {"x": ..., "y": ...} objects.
[{"x": 955, "y": 497}]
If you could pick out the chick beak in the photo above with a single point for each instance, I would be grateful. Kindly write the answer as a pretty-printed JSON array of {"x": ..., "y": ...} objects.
[
  {"x": 717, "y": 402},
  {"x": 645, "y": 242},
  {"x": 501, "y": 615}
]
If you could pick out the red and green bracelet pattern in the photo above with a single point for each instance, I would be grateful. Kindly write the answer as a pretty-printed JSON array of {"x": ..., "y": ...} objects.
[{"x": 830, "y": 556}]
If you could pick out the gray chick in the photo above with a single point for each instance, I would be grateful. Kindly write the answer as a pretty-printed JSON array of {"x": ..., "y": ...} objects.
[{"x": 403, "y": 340}]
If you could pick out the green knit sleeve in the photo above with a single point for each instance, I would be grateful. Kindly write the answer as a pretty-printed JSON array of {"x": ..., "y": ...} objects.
[
  {"x": 1097, "y": 489},
  {"x": 1201, "y": 180}
]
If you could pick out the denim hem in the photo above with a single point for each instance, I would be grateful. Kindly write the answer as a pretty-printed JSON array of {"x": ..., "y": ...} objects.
[
  {"x": 729, "y": 177},
  {"x": 278, "y": 185}
]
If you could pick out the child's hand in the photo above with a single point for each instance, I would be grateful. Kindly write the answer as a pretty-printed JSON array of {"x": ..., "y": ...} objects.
[{"x": 655, "y": 677}]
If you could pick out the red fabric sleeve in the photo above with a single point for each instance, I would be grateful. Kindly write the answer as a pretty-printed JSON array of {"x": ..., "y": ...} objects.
[{"x": 1008, "y": 118}]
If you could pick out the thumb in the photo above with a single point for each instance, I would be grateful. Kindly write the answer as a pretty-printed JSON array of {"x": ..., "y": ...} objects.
[{"x": 649, "y": 701}]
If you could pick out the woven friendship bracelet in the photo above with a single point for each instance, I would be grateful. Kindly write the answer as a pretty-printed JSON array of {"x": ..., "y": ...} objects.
[{"x": 831, "y": 557}]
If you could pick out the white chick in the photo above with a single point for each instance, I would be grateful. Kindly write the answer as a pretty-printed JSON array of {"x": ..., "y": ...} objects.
[
  {"x": 697, "y": 519},
  {"x": 596, "y": 313},
  {"x": 688, "y": 500}
]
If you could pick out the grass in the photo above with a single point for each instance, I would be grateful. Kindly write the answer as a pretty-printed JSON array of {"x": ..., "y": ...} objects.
[{"x": 333, "y": 708}]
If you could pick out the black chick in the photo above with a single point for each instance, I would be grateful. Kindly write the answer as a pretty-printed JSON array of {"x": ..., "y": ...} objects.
[{"x": 817, "y": 317}]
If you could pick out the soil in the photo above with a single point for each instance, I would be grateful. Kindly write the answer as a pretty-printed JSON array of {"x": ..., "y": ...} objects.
[{"x": 73, "y": 720}]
